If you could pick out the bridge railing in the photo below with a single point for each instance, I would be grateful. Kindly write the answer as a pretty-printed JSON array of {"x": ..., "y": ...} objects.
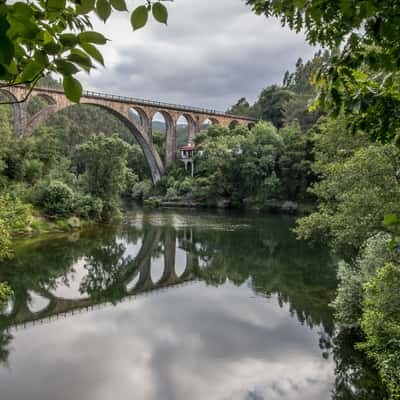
[
  {"x": 153, "y": 103},
  {"x": 162, "y": 104}
]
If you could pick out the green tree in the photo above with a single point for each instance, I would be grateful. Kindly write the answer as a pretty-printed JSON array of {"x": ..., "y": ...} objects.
[
  {"x": 105, "y": 161},
  {"x": 295, "y": 162},
  {"x": 272, "y": 102},
  {"x": 381, "y": 323},
  {"x": 353, "y": 198},
  {"x": 362, "y": 78}
]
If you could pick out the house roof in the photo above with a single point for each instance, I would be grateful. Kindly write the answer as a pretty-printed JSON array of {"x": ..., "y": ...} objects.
[{"x": 188, "y": 147}]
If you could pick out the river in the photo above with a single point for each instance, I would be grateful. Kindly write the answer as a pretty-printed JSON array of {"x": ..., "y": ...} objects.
[{"x": 175, "y": 305}]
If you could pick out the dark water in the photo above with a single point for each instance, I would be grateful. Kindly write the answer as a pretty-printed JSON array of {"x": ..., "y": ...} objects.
[{"x": 175, "y": 305}]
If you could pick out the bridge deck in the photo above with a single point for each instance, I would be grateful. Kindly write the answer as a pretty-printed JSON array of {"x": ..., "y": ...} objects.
[{"x": 152, "y": 103}]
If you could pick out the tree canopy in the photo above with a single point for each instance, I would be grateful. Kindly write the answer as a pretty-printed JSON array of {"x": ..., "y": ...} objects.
[{"x": 362, "y": 76}]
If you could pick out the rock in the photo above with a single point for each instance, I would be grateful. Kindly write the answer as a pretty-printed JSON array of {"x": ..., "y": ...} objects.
[{"x": 74, "y": 222}]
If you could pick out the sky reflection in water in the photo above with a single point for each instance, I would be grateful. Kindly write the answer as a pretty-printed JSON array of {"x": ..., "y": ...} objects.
[{"x": 240, "y": 316}]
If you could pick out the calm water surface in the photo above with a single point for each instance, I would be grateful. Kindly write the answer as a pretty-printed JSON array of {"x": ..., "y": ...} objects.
[{"x": 173, "y": 305}]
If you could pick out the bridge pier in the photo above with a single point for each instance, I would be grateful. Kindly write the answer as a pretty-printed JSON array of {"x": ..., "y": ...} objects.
[
  {"x": 170, "y": 145},
  {"x": 20, "y": 118}
]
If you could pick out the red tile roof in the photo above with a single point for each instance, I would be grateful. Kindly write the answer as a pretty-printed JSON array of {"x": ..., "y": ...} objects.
[{"x": 188, "y": 147}]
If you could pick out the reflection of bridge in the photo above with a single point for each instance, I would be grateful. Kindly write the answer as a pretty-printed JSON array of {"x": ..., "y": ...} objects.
[
  {"x": 134, "y": 279},
  {"x": 122, "y": 108}
]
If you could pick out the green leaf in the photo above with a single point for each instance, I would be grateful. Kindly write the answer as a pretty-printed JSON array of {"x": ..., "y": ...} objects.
[
  {"x": 31, "y": 71},
  {"x": 93, "y": 52},
  {"x": 51, "y": 48},
  {"x": 72, "y": 88},
  {"x": 55, "y": 4},
  {"x": 139, "y": 17},
  {"x": 65, "y": 67},
  {"x": 119, "y": 5},
  {"x": 22, "y": 9},
  {"x": 103, "y": 9},
  {"x": 69, "y": 39},
  {"x": 85, "y": 7},
  {"x": 160, "y": 12},
  {"x": 391, "y": 219},
  {"x": 82, "y": 59},
  {"x": 7, "y": 50},
  {"x": 92, "y": 37}
]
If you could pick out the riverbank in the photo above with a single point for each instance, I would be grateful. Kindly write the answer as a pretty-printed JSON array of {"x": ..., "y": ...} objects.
[
  {"x": 41, "y": 224},
  {"x": 272, "y": 206}
]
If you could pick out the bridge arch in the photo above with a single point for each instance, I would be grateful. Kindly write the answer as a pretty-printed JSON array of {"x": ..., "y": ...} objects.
[
  {"x": 49, "y": 99},
  {"x": 18, "y": 111},
  {"x": 152, "y": 158},
  {"x": 183, "y": 138},
  {"x": 43, "y": 114},
  {"x": 206, "y": 122},
  {"x": 233, "y": 124},
  {"x": 139, "y": 116},
  {"x": 170, "y": 135}
]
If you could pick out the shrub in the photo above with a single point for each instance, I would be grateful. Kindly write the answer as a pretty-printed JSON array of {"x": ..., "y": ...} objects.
[
  {"x": 14, "y": 214},
  {"x": 57, "y": 199},
  {"x": 86, "y": 206},
  {"x": 5, "y": 293},
  {"x": 33, "y": 170},
  {"x": 381, "y": 324},
  {"x": 141, "y": 190},
  {"x": 352, "y": 278}
]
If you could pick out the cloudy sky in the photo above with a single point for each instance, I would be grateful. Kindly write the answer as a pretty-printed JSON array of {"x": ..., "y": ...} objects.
[{"x": 211, "y": 54}]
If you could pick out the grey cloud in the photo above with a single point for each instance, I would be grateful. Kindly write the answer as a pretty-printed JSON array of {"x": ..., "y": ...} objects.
[{"x": 211, "y": 54}]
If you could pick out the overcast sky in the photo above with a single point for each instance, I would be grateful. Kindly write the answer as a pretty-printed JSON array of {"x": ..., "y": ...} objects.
[{"x": 212, "y": 53}]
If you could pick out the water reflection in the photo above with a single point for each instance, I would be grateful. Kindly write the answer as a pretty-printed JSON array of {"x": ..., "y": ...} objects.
[{"x": 240, "y": 311}]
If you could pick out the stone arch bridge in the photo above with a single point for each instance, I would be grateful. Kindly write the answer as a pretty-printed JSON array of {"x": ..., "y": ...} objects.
[{"x": 122, "y": 108}]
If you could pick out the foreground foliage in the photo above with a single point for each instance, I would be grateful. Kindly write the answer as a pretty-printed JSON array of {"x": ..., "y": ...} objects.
[{"x": 41, "y": 36}]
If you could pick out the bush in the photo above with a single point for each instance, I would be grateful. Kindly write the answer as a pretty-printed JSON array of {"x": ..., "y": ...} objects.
[
  {"x": 33, "y": 170},
  {"x": 381, "y": 324},
  {"x": 352, "y": 278},
  {"x": 5, "y": 293},
  {"x": 172, "y": 194},
  {"x": 86, "y": 206},
  {"x": 141, "y": 190},
  {"x": 14, "y": 214},
  {"x": 57, "y": 199}
]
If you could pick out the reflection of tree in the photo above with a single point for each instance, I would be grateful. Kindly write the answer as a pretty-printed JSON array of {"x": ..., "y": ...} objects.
[
  {"x": 5, "y": 340},
  {"x": 356, "y": 379},
  {"x": 105, "y": 264},
  {"x": 274, "y": 263}
]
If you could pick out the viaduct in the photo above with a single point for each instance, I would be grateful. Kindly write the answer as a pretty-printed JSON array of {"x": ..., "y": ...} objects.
[{"x": 125, "y": 109}]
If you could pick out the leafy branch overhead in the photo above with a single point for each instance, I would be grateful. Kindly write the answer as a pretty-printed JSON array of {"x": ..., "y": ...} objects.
[
  {"x": 44, "y": 36},
  {"x": 362, "y": 78}
]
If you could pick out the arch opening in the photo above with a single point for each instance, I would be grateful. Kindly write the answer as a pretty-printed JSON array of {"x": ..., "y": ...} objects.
[
  {"x": 157, "y": 268},
  {"x": 37, "y": 302},
  {"x": 185, "y": 130},
  {"x": 138, "y": 116},
  {"x": 208, "y": 122},
  {"x": 13, "y": 114},
  {"x": 233, "y": 124},
  {"x": 164, "y": 136},
  {"x": 159, "y": 133}
]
